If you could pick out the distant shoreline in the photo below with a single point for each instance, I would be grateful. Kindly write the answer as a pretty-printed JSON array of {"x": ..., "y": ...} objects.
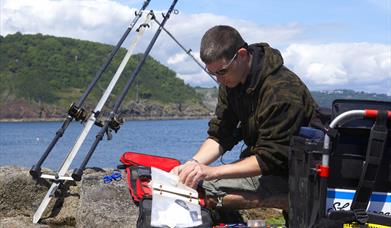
[{"x": 13, "y": 120}]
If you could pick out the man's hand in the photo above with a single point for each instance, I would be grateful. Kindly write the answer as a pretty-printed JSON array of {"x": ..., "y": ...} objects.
[
  {"x": 176, "y": 170},
  {"x": 193, "y": 172}
]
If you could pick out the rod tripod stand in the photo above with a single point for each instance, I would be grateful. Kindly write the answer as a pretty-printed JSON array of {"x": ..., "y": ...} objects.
[{"x": 76, "y": 112}]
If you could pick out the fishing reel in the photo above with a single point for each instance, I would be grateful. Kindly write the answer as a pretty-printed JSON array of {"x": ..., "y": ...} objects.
[
  {"x": 115, "y": 123},
  {"x": 77, "y": 113}
]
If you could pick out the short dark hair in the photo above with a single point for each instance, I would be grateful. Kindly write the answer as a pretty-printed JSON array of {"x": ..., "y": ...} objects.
[{"x": 221, "y": 41}]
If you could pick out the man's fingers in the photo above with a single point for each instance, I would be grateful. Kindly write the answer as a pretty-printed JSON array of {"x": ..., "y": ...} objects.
[
  {"x": 190, "y": 178},
  {"x": 185, "y": 170},
  {"x": 184, "y": 173},
  {"x": 176, "y": 170},
  {"x": 197, "y": 178},
  {"x": 192, "y": 172}
]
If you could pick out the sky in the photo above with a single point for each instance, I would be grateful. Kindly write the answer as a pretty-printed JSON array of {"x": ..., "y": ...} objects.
[{"x": 330, "y": 44}]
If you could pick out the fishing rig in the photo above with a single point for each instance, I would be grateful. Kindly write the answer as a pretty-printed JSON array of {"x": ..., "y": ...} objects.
[{"x": 89, "y": 119}]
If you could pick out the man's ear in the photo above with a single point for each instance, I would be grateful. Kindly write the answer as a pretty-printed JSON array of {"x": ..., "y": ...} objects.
[{"x": 243, "y": 52}]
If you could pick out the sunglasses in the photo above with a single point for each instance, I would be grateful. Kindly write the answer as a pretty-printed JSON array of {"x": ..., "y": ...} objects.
[{"x": 224, "y": 70}]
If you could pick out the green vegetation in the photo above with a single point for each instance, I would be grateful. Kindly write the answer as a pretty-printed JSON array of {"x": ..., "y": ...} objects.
[
  {"x": 48, "y": 73},
  {"x": 323, "y": 98},
  {"x": 276, "y": 221},
  {"x": 56, "y": 71}
]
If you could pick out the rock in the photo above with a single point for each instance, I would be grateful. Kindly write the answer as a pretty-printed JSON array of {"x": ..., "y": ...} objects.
[
  {"x": 62, "y": 209},
  {"x": 105, "y": 205},
  {"x": 151, "y": 110},
  {"x": 19, "y": 193},
  {"x": 89, "y": 203},
  {"x": 19, "y": 221},
  {"x": 18, "y": 108}
]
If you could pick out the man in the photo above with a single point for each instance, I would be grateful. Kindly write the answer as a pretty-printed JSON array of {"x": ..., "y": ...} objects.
[{"x": 261, "y": 102}]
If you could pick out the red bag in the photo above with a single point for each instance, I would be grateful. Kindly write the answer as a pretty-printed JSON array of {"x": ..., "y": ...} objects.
[{"x": 138, "y": 168}]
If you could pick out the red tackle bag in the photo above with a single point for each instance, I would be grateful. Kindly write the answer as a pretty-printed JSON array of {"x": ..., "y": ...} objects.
[{"x": 138, "y": 168}]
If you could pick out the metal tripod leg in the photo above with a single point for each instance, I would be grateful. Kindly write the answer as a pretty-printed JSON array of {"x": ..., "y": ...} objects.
[{"x": 45, "y": 202}]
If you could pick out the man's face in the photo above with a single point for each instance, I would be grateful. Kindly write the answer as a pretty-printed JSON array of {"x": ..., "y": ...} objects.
[{"x": 227, "y": 72}]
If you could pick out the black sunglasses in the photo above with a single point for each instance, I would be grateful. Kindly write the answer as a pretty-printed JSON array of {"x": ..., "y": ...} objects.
[{"x": 224, "y": 70}]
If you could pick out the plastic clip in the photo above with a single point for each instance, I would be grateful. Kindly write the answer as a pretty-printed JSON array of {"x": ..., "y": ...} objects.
[{"x": 114, "y": 176}]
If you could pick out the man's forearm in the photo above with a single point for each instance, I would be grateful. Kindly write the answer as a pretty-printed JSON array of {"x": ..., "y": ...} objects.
[
  {"x": 209, "y": 151},
  {"x": 192, "y": 172},
  {"x": 244, "y": 168}
]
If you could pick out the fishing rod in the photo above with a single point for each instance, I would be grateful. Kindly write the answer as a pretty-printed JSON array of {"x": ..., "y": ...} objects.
[
  {"x": 91, "y": 120},
  {"x": 114, "y": 121},
  {"x": 187, "y": 51},
  {"x": 75, "y": 110}
]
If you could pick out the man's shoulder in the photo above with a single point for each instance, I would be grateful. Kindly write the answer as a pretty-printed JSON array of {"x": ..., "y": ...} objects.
[{"x": 284, "y": 85}]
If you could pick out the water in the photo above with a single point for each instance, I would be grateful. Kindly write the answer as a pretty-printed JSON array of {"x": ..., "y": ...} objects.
[{"x": 22, "y": 144}]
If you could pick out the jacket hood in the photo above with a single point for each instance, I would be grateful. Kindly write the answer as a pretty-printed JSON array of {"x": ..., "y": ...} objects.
[{"x": 266, "y": 60}]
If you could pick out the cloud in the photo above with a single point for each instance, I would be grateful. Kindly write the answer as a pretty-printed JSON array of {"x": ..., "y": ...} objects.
[
  {"x": 359, "y": 66},
  {"x": 98, "y": 20},
  {"x": 177, "y": 58},
  {"x": 189, "y": 28},
  {"x": 198, "y": 79},
  {"x": 105, "y": 21}
]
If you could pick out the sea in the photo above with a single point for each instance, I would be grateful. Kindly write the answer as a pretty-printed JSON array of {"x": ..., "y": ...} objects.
[{"x": 23, "y": 143}]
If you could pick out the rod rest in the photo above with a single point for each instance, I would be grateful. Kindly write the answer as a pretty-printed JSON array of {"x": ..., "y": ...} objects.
[
  {"x": 35, "y": 171},
  {"x": 76, "y": 175}
]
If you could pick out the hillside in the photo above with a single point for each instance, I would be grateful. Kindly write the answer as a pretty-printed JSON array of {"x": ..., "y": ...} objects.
[
  {"x": 323, "y": 98},
  {"x": 42, "y": 75}
]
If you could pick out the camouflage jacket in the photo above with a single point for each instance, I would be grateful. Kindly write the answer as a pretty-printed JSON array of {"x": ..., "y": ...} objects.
[{"x": 271, "y": 106}]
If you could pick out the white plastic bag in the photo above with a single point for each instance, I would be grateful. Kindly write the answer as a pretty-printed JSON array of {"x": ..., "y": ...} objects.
[{"x": 173, "y": 204}]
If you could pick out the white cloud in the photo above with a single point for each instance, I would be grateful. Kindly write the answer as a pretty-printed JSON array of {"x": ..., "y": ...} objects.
[
  {"x": 92, "y": 20},
  {"x": 197, "y": 79},
  {"x": 189, "y": 28},
  {"x": 177, "y": 58},
  {"x": 359, "y": 66}
]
